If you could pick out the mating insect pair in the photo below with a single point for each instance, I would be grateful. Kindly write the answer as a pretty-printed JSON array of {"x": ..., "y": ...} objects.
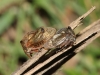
[{"x": 47, "y": 38}]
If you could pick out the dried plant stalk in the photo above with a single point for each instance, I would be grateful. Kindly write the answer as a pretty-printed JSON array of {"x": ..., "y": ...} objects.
[
  {"x": 81, "y": 42},
  {"x": 77, "y": 22},
  {"x": 39, "y": 62}
]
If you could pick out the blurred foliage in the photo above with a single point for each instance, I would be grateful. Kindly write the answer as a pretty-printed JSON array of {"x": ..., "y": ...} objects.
[{"x": 20, "y": 16}]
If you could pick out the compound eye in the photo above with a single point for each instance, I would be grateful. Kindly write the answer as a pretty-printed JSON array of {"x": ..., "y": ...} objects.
[
  {"x": 42, "y": 30},
  {"x": 21, "y": 41}
]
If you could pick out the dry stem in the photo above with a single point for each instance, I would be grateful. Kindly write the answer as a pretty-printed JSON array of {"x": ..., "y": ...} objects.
[{"x": 44, "y": 64}]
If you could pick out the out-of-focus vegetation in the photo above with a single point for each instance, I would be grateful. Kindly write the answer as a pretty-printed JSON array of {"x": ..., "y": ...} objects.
[{"x": 20, "y": 16}]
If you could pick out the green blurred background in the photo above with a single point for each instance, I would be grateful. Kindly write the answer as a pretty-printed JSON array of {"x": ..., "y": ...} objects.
[{"x": 20, "y": 16}]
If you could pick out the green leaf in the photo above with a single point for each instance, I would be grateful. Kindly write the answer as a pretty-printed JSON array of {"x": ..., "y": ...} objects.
[{"x": 6, "y": 20}]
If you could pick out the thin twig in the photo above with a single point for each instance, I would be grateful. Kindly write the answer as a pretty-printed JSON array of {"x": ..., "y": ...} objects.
[
  {"x": 33, "y": 65},
  {"x": 82, "y": 43},
  {"x": 77, "y": 22},
  {"x": 29, "y": 62}
]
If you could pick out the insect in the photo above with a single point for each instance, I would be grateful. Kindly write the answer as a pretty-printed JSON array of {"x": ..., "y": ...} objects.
[
  {"x": 47, "y": 37},
  {"x": 33, "y": 41},
  {"x": 63, "y": 38}
]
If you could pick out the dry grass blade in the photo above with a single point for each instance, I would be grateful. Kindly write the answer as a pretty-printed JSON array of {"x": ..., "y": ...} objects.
[
  {"x": 29, "y": 63},
  {"x": 82, "y": 40},
  {"x": 51, "y": 64},
  {"x": 77, "y": 22}
]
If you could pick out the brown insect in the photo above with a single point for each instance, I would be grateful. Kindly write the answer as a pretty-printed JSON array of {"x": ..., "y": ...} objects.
[
  {"x": 47, "y": 37},
  {"x": 33, "y": 41},
  {"x": 64, "y": 37}
]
